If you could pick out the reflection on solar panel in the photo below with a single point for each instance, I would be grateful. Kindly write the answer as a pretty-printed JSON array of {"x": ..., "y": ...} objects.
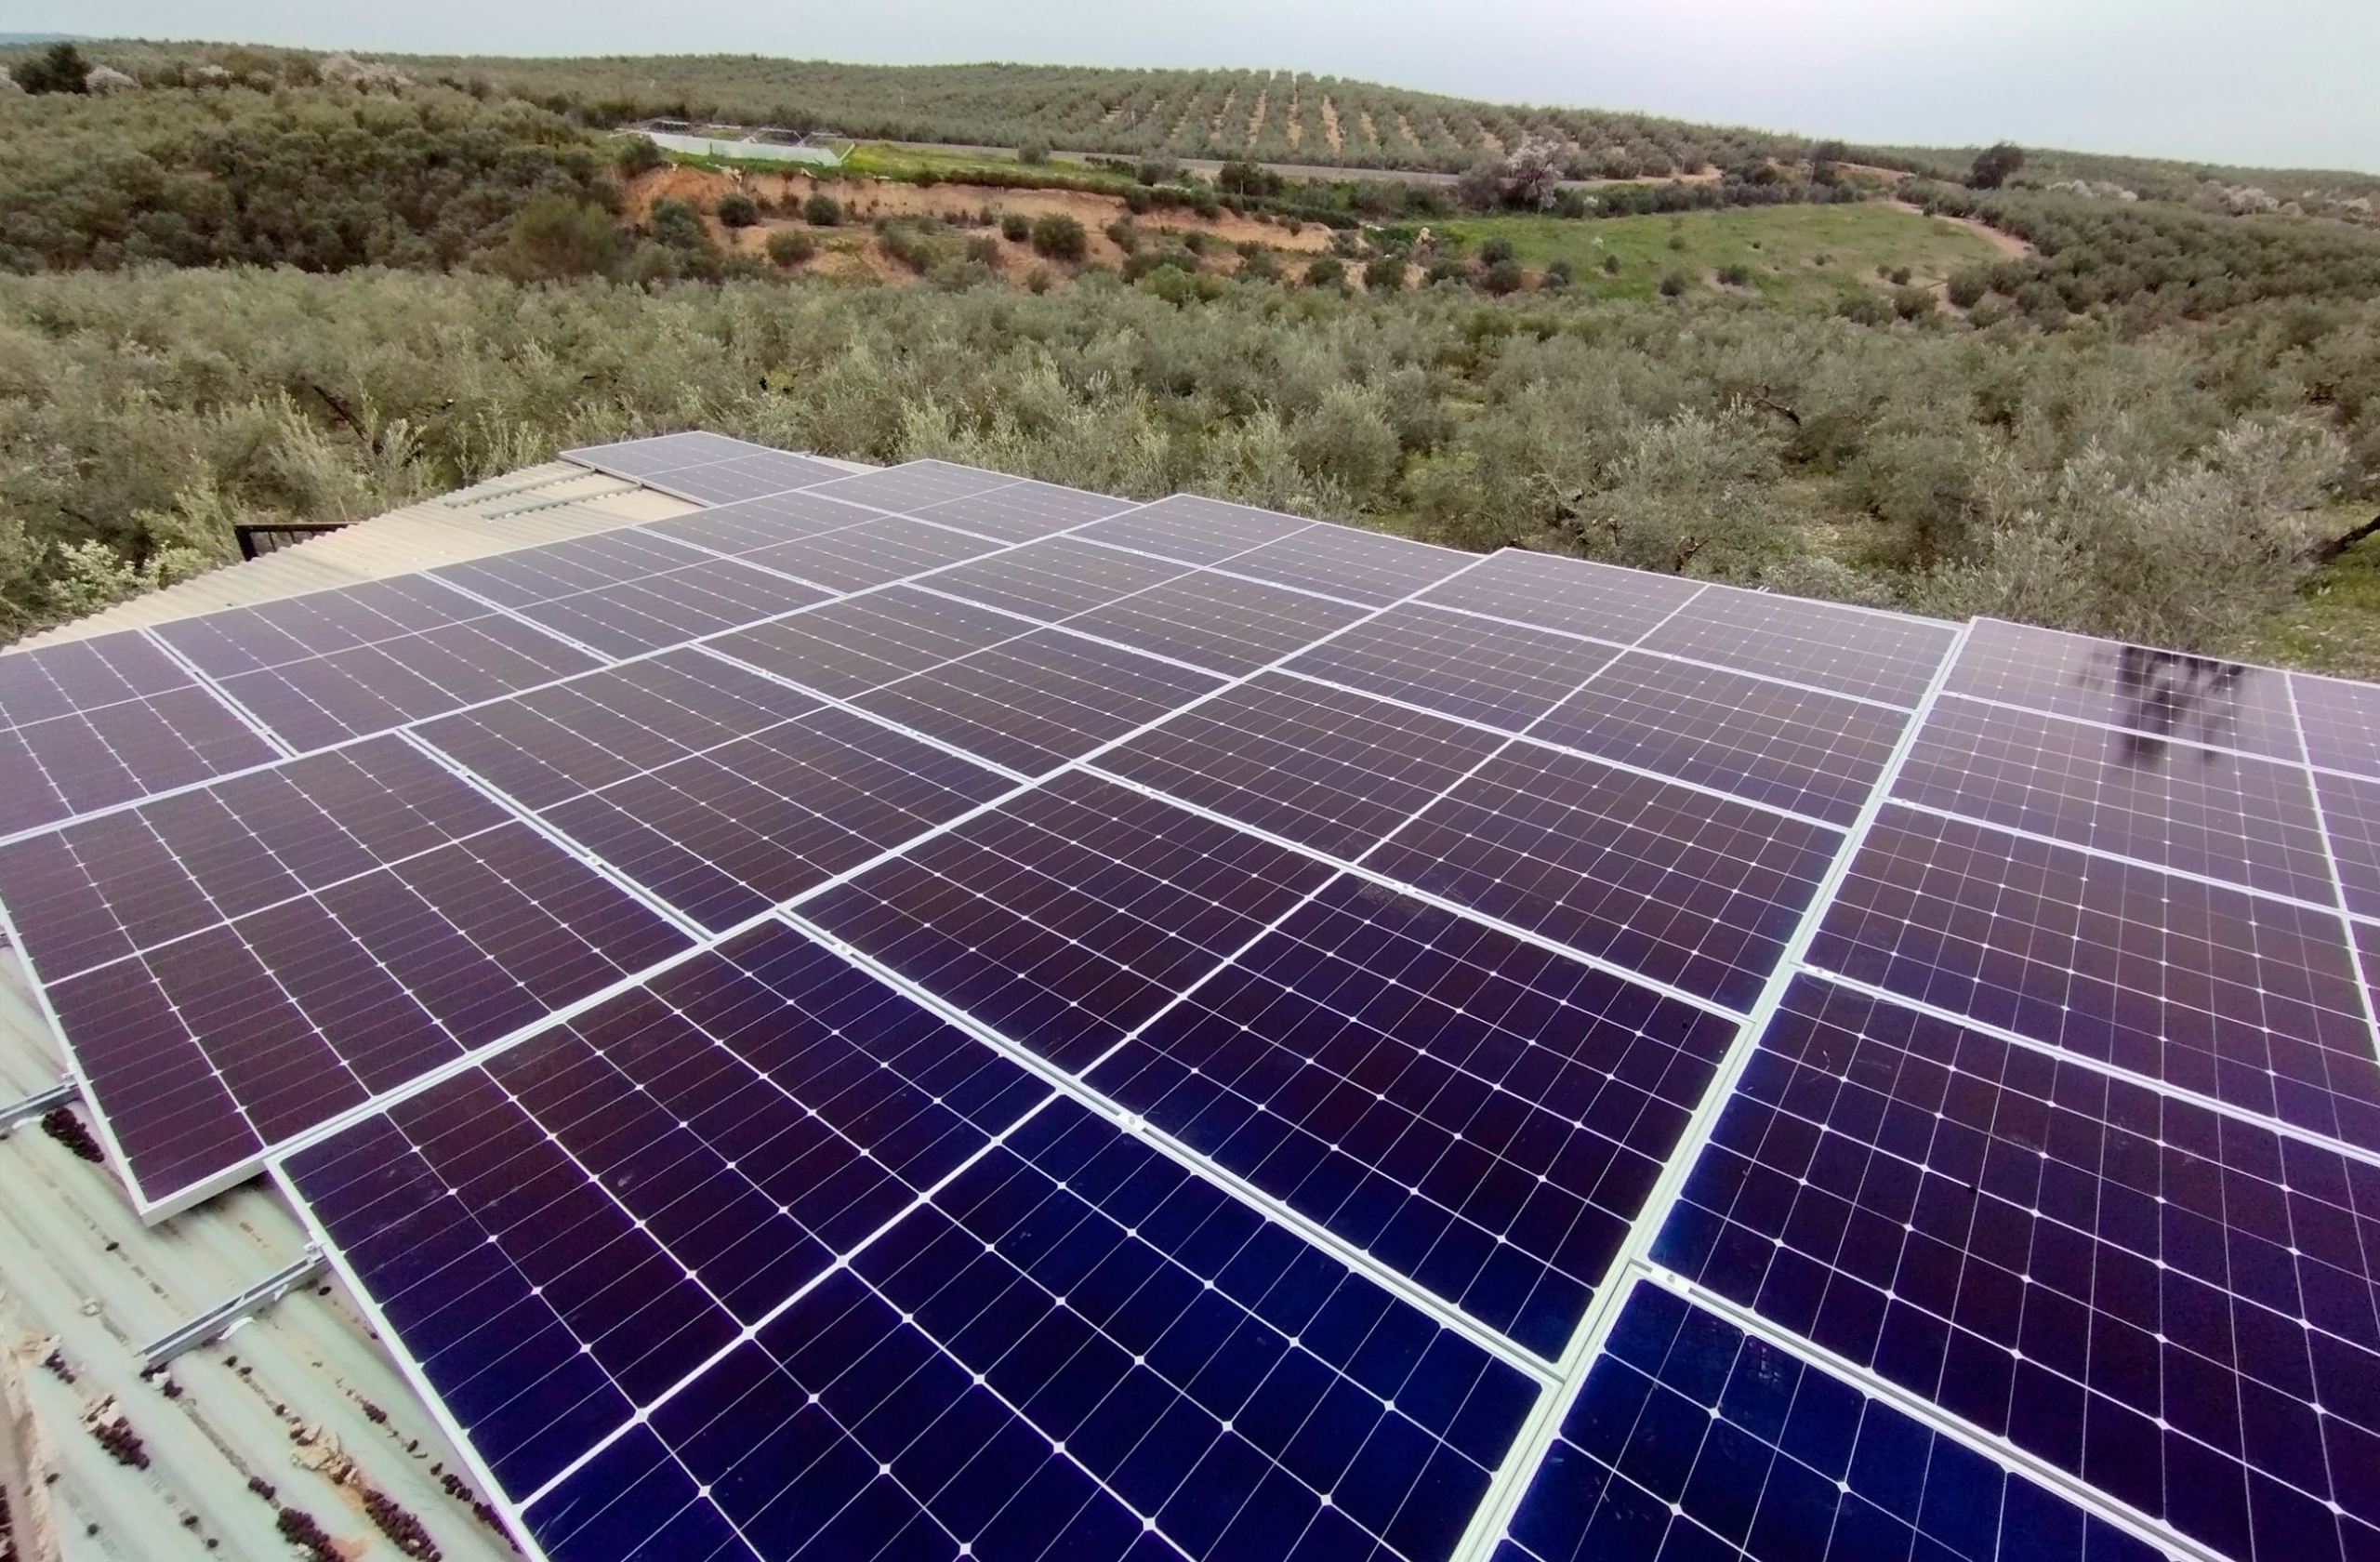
[{"x": 927, "y": 1013}]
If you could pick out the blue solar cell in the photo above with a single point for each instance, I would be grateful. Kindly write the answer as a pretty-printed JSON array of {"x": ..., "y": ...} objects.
[
  {"x": 2144, "y": 1291},
  {"x": 1477, "y": 1112},
  {"x": 1693, "y": 1440}
]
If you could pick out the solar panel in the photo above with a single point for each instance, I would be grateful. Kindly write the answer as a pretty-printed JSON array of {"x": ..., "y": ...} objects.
[
  {"x": 103, "y": 721},
  {"x": 706, "y": 468},
  {"x": 931, "y": 1010}
]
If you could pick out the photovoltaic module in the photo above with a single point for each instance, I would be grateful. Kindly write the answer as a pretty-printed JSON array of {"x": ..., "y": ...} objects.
[{"x": 927, "y": 1014}]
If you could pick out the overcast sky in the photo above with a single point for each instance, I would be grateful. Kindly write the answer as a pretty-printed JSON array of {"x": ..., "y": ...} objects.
[{"x": 2261, "y": 82}]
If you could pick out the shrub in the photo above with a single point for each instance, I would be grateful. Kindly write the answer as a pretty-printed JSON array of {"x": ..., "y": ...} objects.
[
  {"x": 1571, "y": 204},
  {"x": 735, "y": 209},
  {"x": 1495, "y": 250},
  {"x": 637, "y": 155},
  {"x": 1385, "y": 274},
  {"x": 1864, "y": 307},
  {"x": 791, "y": 247},
  {"x": 1968, "y": 284},
  {"x": 1015, "y": 227},
  {"x": 1136, "y": 201},
  {"x": 1124, "y": 234},
  {"x": 1257, "y": 264},
  {"x": 1995, "y": 165},
  {"x": 1673, "y": 284},
  {"x": 554, "y": 237},
  {"x": 1503, "y": 277},
  {"x": 1913, "y": 303},
  {"x": 1061, "y": 237},
  {"x": 1899, "y": 276},
  {"x": 1735, "y": 273},
  {"x": 1446, "y": 268},
  {"x": 1037, "y": 280},
  {"x": 1326, "y": 271},
  {"x": 1611, "y": 265},
  {"x": 1560, "y": 274},
  {"x": 822, "y": 210},
  {"x": 984, "y": 249},
  {"x": 1157, "y": 170},
  {"x": 1032, "y": 152},
  {"x": 59, "y": 68}
]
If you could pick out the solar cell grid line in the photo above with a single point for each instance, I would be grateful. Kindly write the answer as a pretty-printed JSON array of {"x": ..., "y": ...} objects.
[
  {"x": 90, "y": 724},
  {"x": 1067, "y": 916},
  {"x": 1816, "y": 753},
  {"x": 1353, "y": 563},
  {"x": 875, "y": 553},
  {"x": 1469, "y": 668},
  {"x": 1477, "y": 1114},
  {"x": 1594, "y": 1330},
  {"x": 562, "y": 569},
  {"x": 2249, "y": 999},
  {"x": 731, "y": 530},
  {"x": 1036, "y": 703},
  {"x": 1696, "y": 1436},
  {"x": 2146, "y": 1294},
  {"x": 204, "y": 680},
  {"x": 1057, "y": 577},
  {"x": 668, "y": 608},
  {"x": 306, "y": 936},
  {"x": 2209, "y": 811},
  {"x": 869, "y": 640},
  {"x": 1330, "y": 769},
  {"x": 1574, "y": 596},
  {"x": 1022, "y": 511},
  {"x": 2340, "y": 723},
  {"x": 1193, "y": 530},
  {"x": 658, "y": 453},
  {"x": 743, "y": 477},
  {"x": 1217, "y": 621},
  {"x": 1021, "y": 1212},
  {"x": 915, "y": 485},
  {"x": 2165, "y": 699},
  {"x": 2343, "y": 807},
  {"x": 230, "y": 642},
  {"x": 1859, "y": 651}
]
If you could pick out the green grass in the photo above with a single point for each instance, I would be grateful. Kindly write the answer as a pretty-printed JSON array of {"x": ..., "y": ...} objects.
[
  {"x": 2334, "y": 624},
  {"x": 1796, "y": 254}
]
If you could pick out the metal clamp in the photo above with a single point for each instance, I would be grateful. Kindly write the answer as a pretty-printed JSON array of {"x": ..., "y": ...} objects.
[{"x": 216, "y": 1319}]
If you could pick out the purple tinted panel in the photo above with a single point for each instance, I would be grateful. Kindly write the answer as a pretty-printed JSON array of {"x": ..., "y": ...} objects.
[
  {"x": 1477, "y": 669},
  {"x": 868, "y": 555},
  {"x": 54, "y": 769},
  {"x": 82, "y": 675},
  {"x": 1194, "y": 530},
  {"x": 350, "y": 693},
  {"x": 2341, "y": 722},
  {"x": 917, "y": 484},
  {"x": 1481, "y": 1114},
  {"x": 1054, "y": 579},
  {"x": 2205, "y": 811},
  {"x": 659, "y": 453},
  {"x": 1816, "y": 754},
  {"x": 2147, "y": 1293},
  {"x": 757, "y": 523},
  {"x": 1353, "y": 563},
  {"x": 1552, "y": 592},
  {"x": 1876, "y": 655},
  {"x": 319, "y": 624},
  {"x": 746, "y": 477},
  {"x": 163, "y": 1103},
  {"x": 562, "y": 569},
  {"x": 1326, "y": 767},
  {"x": 669, "y": 609},
  {"x": 849, "y": 647},
  {"x": 1036, "y": 702},
  {"x": 2351, "y": 811},
  {"x": 557, "y": 742},
  {"x": 1023, "y": 511},
  {"x": 2160, "y": 698},
  {"x": 2250, "y": 1000},
  {"x": 726, "y": 834},
  {"x": 1686, "y": 887},
  {"x": 1068, "y": 916},
  {"x": 1217, "y": 621}
]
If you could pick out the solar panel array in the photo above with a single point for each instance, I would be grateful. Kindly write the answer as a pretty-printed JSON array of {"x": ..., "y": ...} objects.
[{"x": 927, "y": 1013}]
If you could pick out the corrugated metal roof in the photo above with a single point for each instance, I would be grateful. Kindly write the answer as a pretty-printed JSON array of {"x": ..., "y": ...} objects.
[{"x": 295, "y": 1427}]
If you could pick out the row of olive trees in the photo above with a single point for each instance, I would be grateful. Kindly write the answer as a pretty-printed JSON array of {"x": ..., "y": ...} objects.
[{"x": 2159, "y": 488}]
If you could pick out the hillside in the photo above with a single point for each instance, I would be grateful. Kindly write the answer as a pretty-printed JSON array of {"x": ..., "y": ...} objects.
[{"x": 257, "y": 285}]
